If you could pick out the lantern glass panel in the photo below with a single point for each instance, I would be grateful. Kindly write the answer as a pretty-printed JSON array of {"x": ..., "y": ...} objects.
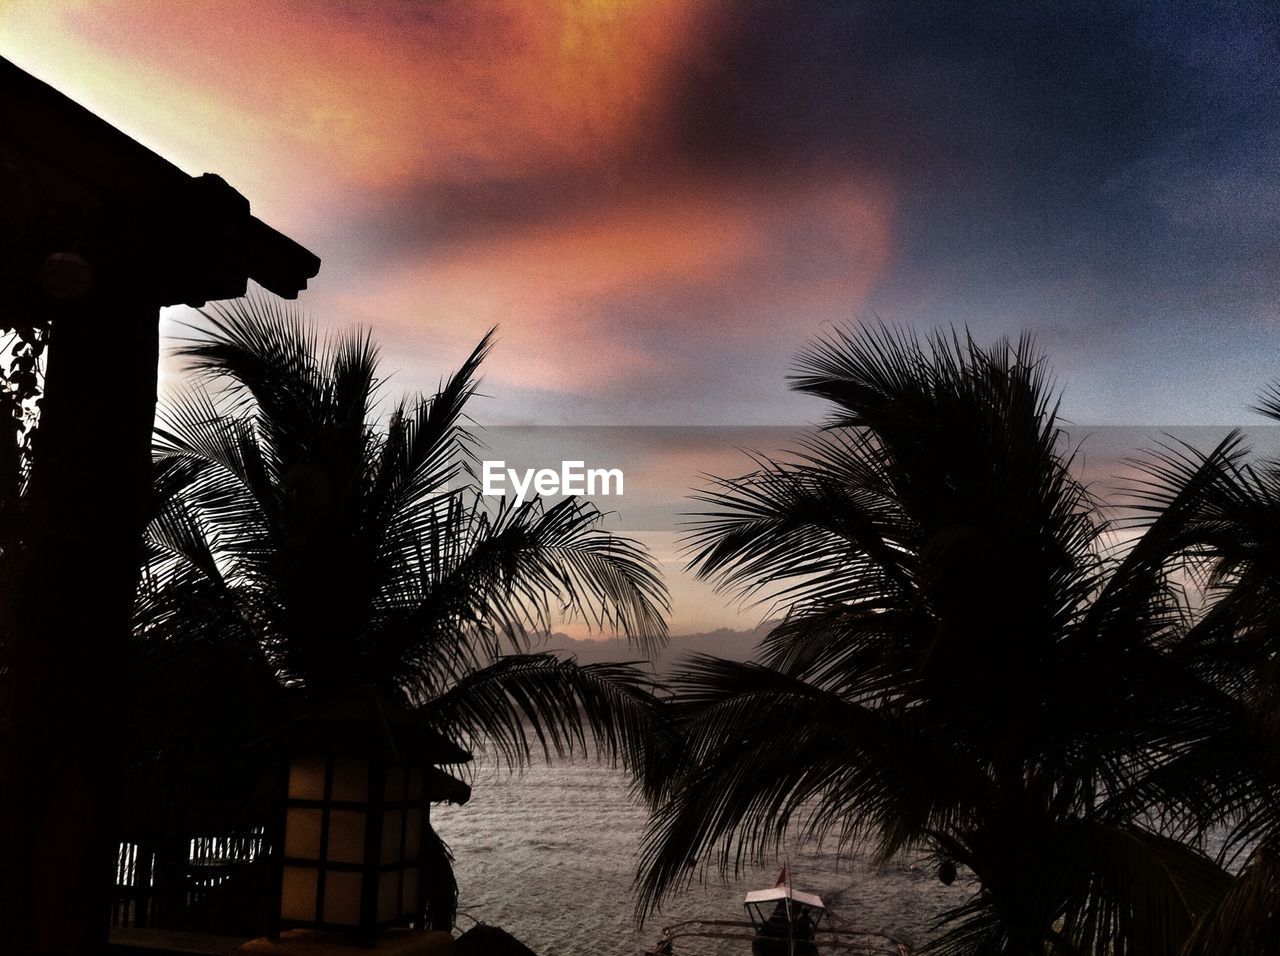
[
  {"x": 298, "y": 894},
  {"x": 392, "y": 831},
  {"x": 350, "y": 780},
  {"x": 306, "y": 778},
  {"x": 393, "y": 791},
  {"x": 413, "y": 833},
  {"x": 415, "y": 783},
  {"x": 302, "y": 833},
  {"x": 410, "y": 902},
  {"x": 342, "y": 897},
  {"x": 346, "y": 836},
  {"x": 389, "y": 896}
]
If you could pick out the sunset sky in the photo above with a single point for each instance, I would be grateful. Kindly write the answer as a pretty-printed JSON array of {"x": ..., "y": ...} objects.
[{"x": 659, "y": 201}]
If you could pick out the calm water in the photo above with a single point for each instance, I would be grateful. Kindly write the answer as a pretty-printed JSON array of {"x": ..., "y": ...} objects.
[{"x": 550, "y": 856}]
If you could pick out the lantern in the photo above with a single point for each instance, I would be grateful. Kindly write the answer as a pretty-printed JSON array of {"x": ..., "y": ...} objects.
[{"x": 361, "y": 774}]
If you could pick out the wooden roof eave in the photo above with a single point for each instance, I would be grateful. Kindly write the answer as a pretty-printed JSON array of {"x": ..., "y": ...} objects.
[{"x": 193, "y": 238}]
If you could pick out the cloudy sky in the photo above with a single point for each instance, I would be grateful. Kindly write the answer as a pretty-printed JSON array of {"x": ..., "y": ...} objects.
[{"x": 659, "y": 201}]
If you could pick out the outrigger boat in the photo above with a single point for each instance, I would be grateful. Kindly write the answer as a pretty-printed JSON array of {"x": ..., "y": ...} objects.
[{"x": 780, "y": 921}]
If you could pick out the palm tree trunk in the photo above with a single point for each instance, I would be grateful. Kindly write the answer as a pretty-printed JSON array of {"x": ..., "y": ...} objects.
[{"x": 86, "y": 507}]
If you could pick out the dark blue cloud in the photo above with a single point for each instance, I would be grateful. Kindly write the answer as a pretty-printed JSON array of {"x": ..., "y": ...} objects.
[{"x": 1107, "y": 173}]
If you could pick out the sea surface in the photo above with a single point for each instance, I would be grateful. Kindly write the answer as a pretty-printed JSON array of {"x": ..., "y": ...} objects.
[{"x": 550, "y": 854}]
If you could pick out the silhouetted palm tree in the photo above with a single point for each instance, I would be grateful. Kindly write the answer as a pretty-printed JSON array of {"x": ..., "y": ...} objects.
[
  {"x": 329, "y": 545},
  {"x": 965, "y": 661},
  {"x": 1219, "y": 513}
]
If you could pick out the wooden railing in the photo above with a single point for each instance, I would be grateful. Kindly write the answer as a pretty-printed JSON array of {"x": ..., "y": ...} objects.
[{"x": 181, "y": 889}]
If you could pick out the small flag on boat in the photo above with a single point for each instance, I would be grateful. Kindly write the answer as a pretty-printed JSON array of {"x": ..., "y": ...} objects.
[{"x": 784, "y": 878}]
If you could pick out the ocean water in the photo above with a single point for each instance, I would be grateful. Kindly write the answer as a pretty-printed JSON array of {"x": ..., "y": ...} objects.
[{"x": 550, "y": 854}]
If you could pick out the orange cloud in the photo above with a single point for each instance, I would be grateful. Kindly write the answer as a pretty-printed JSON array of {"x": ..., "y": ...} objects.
[
  {"x": 320, "y": 111},
  {"x": 584, "y": 304},
  {"x": 333, "y": 96}
]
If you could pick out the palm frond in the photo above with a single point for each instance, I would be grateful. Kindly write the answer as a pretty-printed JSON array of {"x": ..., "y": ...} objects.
[
  {"x": 339, "y": 546},
  {"x": 964, "y": 661},
  {"x": 523, "y": 704}
]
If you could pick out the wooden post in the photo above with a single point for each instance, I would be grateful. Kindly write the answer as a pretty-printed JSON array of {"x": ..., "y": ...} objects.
[
  {"x": 99, "y": 233},
  {"x": 142, "y": 886},
  {"x": 87, "y": 505}
]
